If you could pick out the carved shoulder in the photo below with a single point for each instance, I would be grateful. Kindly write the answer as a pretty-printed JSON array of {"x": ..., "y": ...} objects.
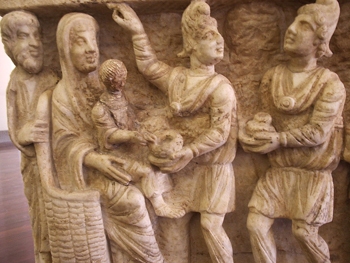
[
  {"x": 334, "y": 89},
  {"x": 98, "y": 110},
  {"x": 223, "y": 94}
]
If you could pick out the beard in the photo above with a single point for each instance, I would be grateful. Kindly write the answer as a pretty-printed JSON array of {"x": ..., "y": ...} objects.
[{"x": 31, "y": 64}]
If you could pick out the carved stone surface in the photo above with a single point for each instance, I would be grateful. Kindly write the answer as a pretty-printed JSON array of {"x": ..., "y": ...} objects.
[
  {"x": 21, "y": 37},
  {"x": 141, "y": 164},
  {"x": 303, "y": 139}
]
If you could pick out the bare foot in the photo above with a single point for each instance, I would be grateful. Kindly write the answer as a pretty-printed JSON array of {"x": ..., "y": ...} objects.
[{"x": 169, "y": 211}]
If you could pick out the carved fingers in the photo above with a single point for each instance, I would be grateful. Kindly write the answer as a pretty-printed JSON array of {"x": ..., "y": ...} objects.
[
  {"x": 117, "y": 160},
  {"x": 261, "y": 142},
  {"x": 179, "y": 160},
  {"x": 111, "y": 166},
  {"x": 40, "y": 131},
  {"x": 267, "y": 136},
  {"x": 138, "y": 138},
  {"x": 149, "y": 137},
  {"x": 34, "y": 132},
  {"x": 126, "y": 17},
  {"x": 119, "y": 176},
  {"x": 184, "y": 152}
]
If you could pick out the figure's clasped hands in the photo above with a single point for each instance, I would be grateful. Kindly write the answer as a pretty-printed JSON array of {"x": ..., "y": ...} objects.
[{"x": 126, "y": 17}]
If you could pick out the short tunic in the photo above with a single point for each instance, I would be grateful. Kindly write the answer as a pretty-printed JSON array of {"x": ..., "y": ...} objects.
[{"x": 299, "y": 183}]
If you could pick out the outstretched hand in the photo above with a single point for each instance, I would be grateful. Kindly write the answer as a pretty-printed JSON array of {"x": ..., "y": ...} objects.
[
  {"x": 126, "y": 17},
  {"x": 109, "y": 165}
]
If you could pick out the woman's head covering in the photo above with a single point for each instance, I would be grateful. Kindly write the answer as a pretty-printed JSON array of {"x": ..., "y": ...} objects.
[{"x": 76, "y": 21}]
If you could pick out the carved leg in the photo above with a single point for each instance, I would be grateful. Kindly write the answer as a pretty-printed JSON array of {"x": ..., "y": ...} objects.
[
  {"x": 218, "y": 243},
  {"x": 118, "y": 255},
  {"x": 315, "y": 248},
  {"x": 128, "y": 224},
  {"x": 34, "y": 195},
  {"x": 261, "y": 237},
  {"x": 174, "y": 238}
]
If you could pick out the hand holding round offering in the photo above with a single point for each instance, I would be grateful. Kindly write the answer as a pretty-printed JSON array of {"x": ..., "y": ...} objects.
[
  {"x": 163, "y": 146},
  {"x": 262, "y": 122}
]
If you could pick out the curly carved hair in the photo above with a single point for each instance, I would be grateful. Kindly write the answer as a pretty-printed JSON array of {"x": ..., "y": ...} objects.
[{"x": 110, "y": 69}]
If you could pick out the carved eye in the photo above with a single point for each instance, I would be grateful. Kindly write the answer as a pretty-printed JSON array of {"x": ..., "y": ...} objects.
[
  {"x": 80, "y": 41},
  {"x": 209, "y": 35},
  {"x": 22, "y": 35},
  {"x": 306, "y": 26}
]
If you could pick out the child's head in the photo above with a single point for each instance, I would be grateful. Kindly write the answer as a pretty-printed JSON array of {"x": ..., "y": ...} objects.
[{"x": 113, "y": 74}]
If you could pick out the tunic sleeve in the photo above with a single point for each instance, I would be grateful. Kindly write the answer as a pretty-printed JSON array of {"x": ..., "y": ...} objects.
[
  {"x": 222, "y": 103},
  {"x": 155, "y": 71},
  {"x": 326, "y": 114},
  {"x": 104, "y": 124}
]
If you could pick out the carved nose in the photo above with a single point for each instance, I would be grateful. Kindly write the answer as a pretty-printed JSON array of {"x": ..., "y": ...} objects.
[
  {"x": 219, "y": 39},
  {"x": 291, "y": 28},
  {"x": 90, "y": 48},
  {"x": 35, "y": 42}
]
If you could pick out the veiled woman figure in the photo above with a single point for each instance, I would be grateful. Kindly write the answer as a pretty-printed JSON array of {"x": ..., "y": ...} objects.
[{"x": 79, "y": 166}]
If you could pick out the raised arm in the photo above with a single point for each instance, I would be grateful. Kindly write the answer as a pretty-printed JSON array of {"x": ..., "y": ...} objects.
[{"x": 154, "y": 70}]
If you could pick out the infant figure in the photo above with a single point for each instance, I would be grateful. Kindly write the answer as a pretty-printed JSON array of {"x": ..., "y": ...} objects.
[{"x": 115, "y": 123}]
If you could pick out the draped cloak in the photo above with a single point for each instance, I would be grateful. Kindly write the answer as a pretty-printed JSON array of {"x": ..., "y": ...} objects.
[
  {"x": 22, "y": 98},
  {"x": 127, "y": 221}
]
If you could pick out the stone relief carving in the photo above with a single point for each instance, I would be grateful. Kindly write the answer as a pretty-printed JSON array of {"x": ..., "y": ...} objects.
[
  {"x": 303, "y": 139},
  {"x": 115, "y": 123},
  {"x": 128, "y": 164},
  {"x": 79, "y": 166},
  {"x": 253, "y": 34},
  {"x": 341, "y": 60},
  {"x": 20, "y": 32},
  {"x": 203, "y": 110}
]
